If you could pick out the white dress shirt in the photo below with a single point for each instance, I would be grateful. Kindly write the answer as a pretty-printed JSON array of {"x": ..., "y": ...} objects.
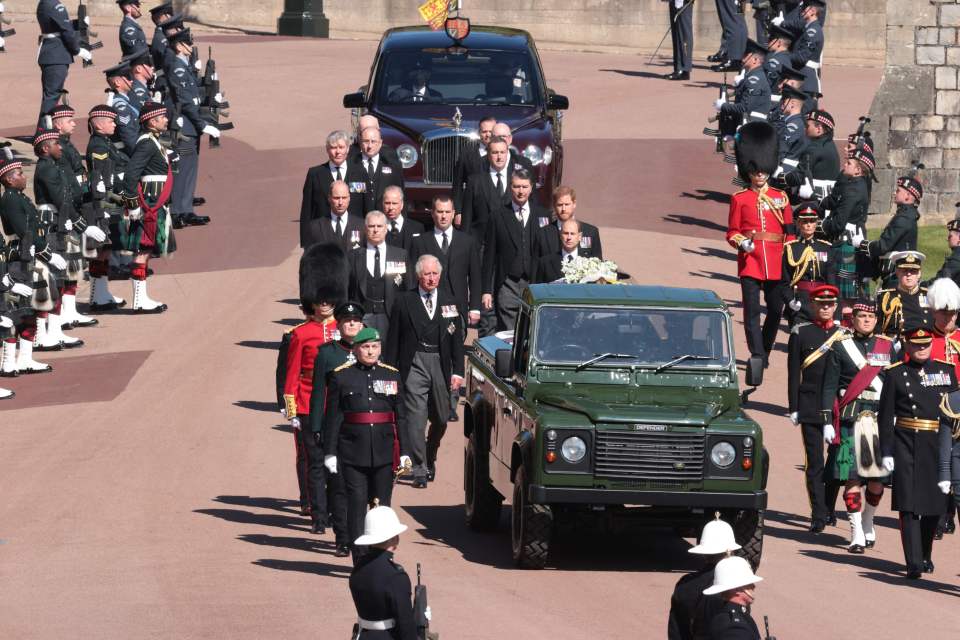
[
  {"x": 343, "y": 221},
  {"x": 398, "y": 222},
  {"x": 343, "y": 171},
  {"x": 371, "y": 256},
  {"x": 438, "y": 236},
  {"x": 503, "y": 177}
]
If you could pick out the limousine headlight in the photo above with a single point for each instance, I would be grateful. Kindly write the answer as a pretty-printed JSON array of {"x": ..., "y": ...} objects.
[{"x": 408, "y": 155}]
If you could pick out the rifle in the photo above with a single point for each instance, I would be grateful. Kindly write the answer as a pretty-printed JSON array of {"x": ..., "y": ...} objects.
[
  {"x": 718, "y": 132},
  {"x": 858, "y": 138},
  {"x": 212, "y": 105},
  {"x": 4, "y": 33},
  {"x": 766, "y": 629},
  {"x": 421, "y": 611},
  {"x": 83, "y": 29}
]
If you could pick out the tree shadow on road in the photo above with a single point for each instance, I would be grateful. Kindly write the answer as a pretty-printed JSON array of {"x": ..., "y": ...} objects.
[
  {"x": 680, "y": 218},
  {"x": 272, "y": 345},
  {"x": 289, "y": 322},
  {"x": 311, "y": 545},
  {"x": 259, "y": 519},
  {"x": 704, "y": 195},
  {"x": 636, "y": 74},
  {"x": 713, "y": 275},
  {"x": 710, "y": 252},
  {"x": 262, "y": 502},
  {"x": 315, "y": 568},
  {"x": 925, "y": 583},
  {"x": 257, "y": 405}
]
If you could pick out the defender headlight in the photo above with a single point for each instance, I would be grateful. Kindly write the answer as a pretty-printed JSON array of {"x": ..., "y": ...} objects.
[
  {"x": 573, "y": 449},
  {"x": 547, "y": 155},
  {"x": 723, "y": 454},
  {"x": 534, "y": 154},
  {"x": 408, "y": 155}
]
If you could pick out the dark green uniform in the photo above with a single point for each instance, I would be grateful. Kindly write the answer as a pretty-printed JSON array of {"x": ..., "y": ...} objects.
[
  {"x": 72, "y": 162},
  {"x": 951, "y": 266},
  {"x": 900, "y": 234},
  {"x": 104, "y": 163},
  {"x": 22, "y": 221}
]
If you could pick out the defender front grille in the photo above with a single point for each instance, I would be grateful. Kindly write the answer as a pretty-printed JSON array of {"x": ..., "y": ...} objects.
[
  {"x": 664, "y": 456},
  {"x": 440, "y": 155}
]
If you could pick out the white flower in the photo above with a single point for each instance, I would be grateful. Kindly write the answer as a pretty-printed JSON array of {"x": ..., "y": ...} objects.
[{"x": 588, "y": 270}]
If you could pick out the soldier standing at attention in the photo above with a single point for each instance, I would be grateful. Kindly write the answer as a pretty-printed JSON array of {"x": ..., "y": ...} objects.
[
  {"x": 900, "y": 234},
  {"x": 734, "y": 582},
  {"x": 691, "y": 611},
  {"x": 807, "y": 264},
  {"x": 681, "y": 35},
  {"x": 361, "y": 430},
  {"x": 59, "y": 42},
  {"x": 328, "y": 500},
  {"x": 909, "y": 422},
  {"x": 907, "y": 303},
  {"x": 379, "y": 586},
  {"x": 132, "y": 37},
  {"x": 158, "y": 44},
  {"x": 951, "y": 264}
]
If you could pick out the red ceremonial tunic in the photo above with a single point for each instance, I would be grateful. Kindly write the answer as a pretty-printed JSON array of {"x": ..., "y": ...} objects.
[
  {"x": 763, "y": 220},
  {"x": 305, "y": 339},
  {"x": 946, "y": 348}
]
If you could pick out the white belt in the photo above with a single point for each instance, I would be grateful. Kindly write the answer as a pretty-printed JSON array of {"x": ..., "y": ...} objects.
[
  {"x": 153, "y": 178},
  {"x": 774, "y": 97},
  {"x": 376, "y": 625},
  {"x": 758, "y": 115},
  {"x": 49, "y": 36},
  {"x": 790, "y": 163},
  {"x": 47, "y": 207},
  {"x": 823, "y": 184},
  {"x": 813, "y": 65}
]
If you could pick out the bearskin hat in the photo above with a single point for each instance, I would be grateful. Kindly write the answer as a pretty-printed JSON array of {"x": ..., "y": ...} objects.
[
  {"x": 757, "y": 148},
  {"x": 323, "y": 275}
]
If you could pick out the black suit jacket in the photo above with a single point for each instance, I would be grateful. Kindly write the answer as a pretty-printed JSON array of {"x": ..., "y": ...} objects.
[
  {"x": 469, "y": 163},
  {"x": 461, "y": 266},
  {"x": 547, "y": 268},
  {"x": 480, "y": 198},
  {"x": 321, "y": 230},
  {"x": 315, "y": 203},
  {"x": 548, "y": 241},
  {"x": 388, "y": 173},
  {"x": 404, "y": 238},
  {"x": 407, "y": 320},
  {"x": 394, "y": 283},
  {"x": 504, "y": 242}
]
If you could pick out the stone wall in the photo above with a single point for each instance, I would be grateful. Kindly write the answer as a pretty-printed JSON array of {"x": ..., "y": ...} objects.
[
  {"x": 916, "y": 112},
  {"x": 855, "y": 28}
]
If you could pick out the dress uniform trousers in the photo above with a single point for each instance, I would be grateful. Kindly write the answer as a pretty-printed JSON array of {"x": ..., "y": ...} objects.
[
  {"x": 185, "y": 182},
  {"x": 760, "y": 341},
  {"x": 734, "y": 29},
  {"x": 426, "y": 398},
  {"x": 681, "y": 33},
  {"x": 812, "y": 435},
  {"x": 52, "y": 79}
]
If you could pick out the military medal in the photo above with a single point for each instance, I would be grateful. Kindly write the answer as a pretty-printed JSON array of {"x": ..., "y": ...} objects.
[
  {"x": 449, "y": 311},
  {"x": 544, "y": 221},
  {"x": 585, "y": 242}
]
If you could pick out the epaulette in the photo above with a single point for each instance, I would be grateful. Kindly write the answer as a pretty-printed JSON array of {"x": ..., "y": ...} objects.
[
  {"x": 789, "y": 242},
  {"x": 894, "y": 365},
  {"x": 741, "y": 191},
  {"x": 344, "y": 366},
  {"x": 290, "y": 330},
  {"x": 798, "y": 326},
  {"x": 386, "y": 366}
]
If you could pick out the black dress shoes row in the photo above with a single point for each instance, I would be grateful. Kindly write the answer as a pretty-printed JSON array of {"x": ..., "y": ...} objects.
[
  {"x": 727, "y": 66},
  {"x": 817, "y": 526},
  {"x": 719, "y": 56},
  {"x": 343, "y": 550},
  {"x": 677, "y": 75}
]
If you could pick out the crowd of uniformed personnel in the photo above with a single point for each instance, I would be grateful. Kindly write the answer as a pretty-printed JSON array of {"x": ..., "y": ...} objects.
[{"x": 104, "y": 213}]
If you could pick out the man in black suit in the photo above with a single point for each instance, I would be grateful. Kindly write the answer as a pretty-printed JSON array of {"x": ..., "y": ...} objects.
[
  {"x": 508, "y": 251},
  {"x": 389, "y": 153},
  {"x": 374, "y": 173},
  {"x": 339, "y": 225},
  {"x": 316, "y": 188},
  {"x": 378, "y": 274},
  {"x": 549, "y": 267},
  {"x": 471, "y": 160},
  {"x": 565, "y": 208},
  {"x": 425, "y": 343},
  {"x": 401, "y": 230},
  {"x": 486, "y": 191},
  {"x": 416, "y": 90},
  {"x": 517, "y": 160}
]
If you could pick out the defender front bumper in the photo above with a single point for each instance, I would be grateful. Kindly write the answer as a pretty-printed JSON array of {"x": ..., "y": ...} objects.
[{"x": 538, "y": 494}]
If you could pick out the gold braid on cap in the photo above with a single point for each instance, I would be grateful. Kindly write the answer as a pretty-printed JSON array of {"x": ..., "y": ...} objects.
[
  {"x": 807, "y": 258},
  {"x": 762, "y": 197}
]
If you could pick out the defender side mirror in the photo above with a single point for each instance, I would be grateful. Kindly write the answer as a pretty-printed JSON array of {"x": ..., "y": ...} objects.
[
  {"x": 503, "y": 366},
  {"x": 753, "y": 377},
  {"x": 355, "y": 100},
  {"x": 558, "y": 102}
]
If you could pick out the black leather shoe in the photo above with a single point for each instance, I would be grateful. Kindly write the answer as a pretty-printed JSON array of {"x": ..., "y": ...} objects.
[
  {"x": 317, "y": 528},
  {"x": 817, "y": 526},
  {"x": 177, "y": 221},
  {"x": 453, "y": 417},
  {"x": 199, "y": 201},
  {"x": 831, "y": 520},
  {"x": 719, "y": 56},
  {"x": 855, "y": 548},
  {"x": 343, "y": 550},
  {"x": 420, "y": 482},
  {"x": 678, "y": 75},
  {"x": 102, "y": 308},
  {"x": 927, "y": 566},
  {"x": 9, "y": 374},
  {"x": 193, "y": 219},
  {"x": 938, "y": 534},
  {"x": 913, "y": 574},
  {"x": 728, "y": 66},
  {"x": 431, "y": 471},
  {"x": 951, "y": 527},
  {"x": 871, "y": 543}
]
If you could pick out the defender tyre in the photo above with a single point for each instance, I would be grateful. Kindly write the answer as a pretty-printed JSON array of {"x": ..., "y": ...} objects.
[
  {"x": 748, "y": 531},
  {"x": 531, "y": 527},
  {"x": 481, "y": 502}
]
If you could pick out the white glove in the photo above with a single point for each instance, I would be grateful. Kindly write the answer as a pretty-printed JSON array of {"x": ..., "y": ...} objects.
[
  {"x": 68, "y": 225},
  {"x": 6, "y": 323},
  {"x": 805, "y": 190},
  {"x": 86, "y": 21},
  {"x": 120, "y": 176},
  {"x": 197, "y": 65},
  {"x": 6, "y": 281},
  {"x": 718, "y": 103},
  {"x": 22, "y": 290},
  {"x": 134, "y": 214},
  {"x": 101, "y": 188},
  {"x": 1, "y": 7},
  {"x": 218, "y": 97},
  {"x": 746, "y": 246},
  {"x": 330, "y": 462},
  {"x": 95, "y": 233},
  {"x": 57, "y": 262},
  {"x": 794, "y": 305},
  {"x": 283, "y": 412},
  {"x": 795, "y": 418},
  {"x": 887, "y": 463},
  {"x": 737, "y": 79},
  {"x": 945, "y": 487},
  {"x": 295, "y": 423},
  {"x": 428, "y": 614},
  {"x": 405, "y": 462},
  {"x": 180, "y": 122},
  {"x": 157, "y": 96},
  {"x": 85, "y": 55},
  {"x": 3, "y": 43},
  {"x": 211, "y": 131},
  {"x": 829, "y": 433},
  {"x": 106, "y": 215},
  {"x": 778, "y": 20}
]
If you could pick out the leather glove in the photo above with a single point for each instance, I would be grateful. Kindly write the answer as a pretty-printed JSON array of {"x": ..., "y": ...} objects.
[
  {"x": 68, "y": 225},
  {"x": 794, "y": 305},
  {"x": 6, "y": 323},
  {"x": 330, "y": 462},
  {"x": 295, "y": 423},
  {"x": 718, "y": 103},
  {"x": 944, "y": 487},
  {"x": 57, "y": 262},
  {"x": 887, "y": 463},
  {"x": 795, "y": 418},
  {"x": 22, "y": 290},
  {"x": 85, "y": 55},
  {"x": 746, "y": 246},
  {"x": 806, "y": 191},
  {"x": 829, "y": 433},
  {"x": 406, "y": 462},
  {"x": 95, "y": 233},
  {"x": 211, "y": 131},
  {"x": 135, "y": 214}
]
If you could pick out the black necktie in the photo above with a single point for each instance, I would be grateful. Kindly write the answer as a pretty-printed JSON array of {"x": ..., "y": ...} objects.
[
  {"x": 339, "y": 227},
  {"x": 445, "y": 244},
  {"x": 569, "y": 257},
  {"x": 393, "y": 227},
  {"x": 370, "y": 167},
  {"x": 339, "y": 176},
  {"x": 376, "y": 262},
  {"x": 499, "y": 184}
]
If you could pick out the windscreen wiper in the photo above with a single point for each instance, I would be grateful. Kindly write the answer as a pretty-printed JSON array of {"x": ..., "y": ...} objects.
[
  {"x": 603, "y": 356},
  {"x": 679, "y": 359}
]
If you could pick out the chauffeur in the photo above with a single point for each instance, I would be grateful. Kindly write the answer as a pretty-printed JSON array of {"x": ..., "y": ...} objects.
[
  {"x": 363, "y": 412},
  {"x": 909, "y": 422}
]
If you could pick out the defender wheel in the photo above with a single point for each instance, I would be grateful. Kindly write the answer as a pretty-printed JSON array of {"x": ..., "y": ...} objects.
[
  {"x": 748, "y": 530},
  {"x": 531, "y": 528},
  {"x": 481, "y": 502}
]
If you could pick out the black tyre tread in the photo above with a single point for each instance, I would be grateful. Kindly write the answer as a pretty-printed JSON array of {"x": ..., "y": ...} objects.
[
  {"x": 538, "y": 533},
  {"x": 487, "y": 503},
  {"x": 748, "y": 531}
]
